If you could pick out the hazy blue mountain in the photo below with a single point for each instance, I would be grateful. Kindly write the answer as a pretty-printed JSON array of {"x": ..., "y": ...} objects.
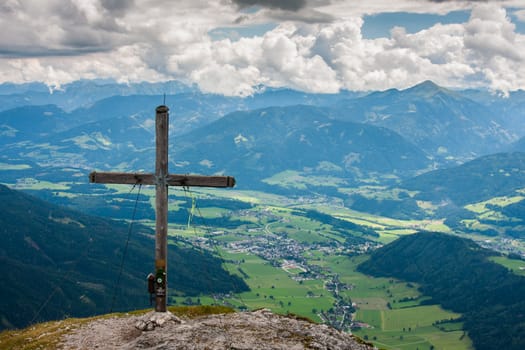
[
  {"x": 81, "y": 93},
  {"x": 191, "y": 110},
  {"x": 481, "y": 96},
  {"x": 281, "y": 97},
  {"x": 74, "y": 260},
  {"x": 18, "y": 95},
  {"x": 117, "y": 132},
  {"x": 440, "y": 121},
  {"x": 519, "y": 145},
  {"x": 510, "y": 108},
  {"x": 114, "y": 143},
  {"x": 31, "y": 122},
  {"x": 11, "y": 89},
  {"x": 256, "y": 144},
  {"x": 84, "y": 94},
  {"x": 187, "y": 110}
]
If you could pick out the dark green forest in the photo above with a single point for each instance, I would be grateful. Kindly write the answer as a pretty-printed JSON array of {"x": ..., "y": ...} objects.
[
  {"x": 457, "y": 274},
  {"x": 57, "y": 262}
]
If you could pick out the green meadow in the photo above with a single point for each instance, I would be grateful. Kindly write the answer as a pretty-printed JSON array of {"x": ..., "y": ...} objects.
[
  {"x": 516, "y": 266},
  {"x": 34, "y": 184},
  {"x": 390, "y": 310},
  {"x": 273, "y": 288},
  {"x": 393, "y": 313},
  {"x": 6, "y": 166}
]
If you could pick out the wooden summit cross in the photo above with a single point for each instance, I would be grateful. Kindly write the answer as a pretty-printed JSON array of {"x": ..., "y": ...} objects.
[{"x": 161, "y": 179}]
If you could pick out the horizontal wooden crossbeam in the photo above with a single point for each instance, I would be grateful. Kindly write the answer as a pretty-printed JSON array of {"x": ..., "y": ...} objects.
[{"x": 171, "y": 179}]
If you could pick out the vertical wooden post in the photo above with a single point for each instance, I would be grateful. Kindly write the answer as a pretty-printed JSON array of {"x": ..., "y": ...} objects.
[{"x": 161, "y": 203}]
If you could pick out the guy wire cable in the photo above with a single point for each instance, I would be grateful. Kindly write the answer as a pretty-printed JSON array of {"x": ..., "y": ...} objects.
[
  {"x": 212, "y": 241},
  {"x": 130, "y": 227},
  {"x": 85, "y": 252}
]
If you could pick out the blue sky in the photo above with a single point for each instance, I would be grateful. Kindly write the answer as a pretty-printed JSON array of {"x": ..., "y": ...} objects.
[
  {"x": 379, "y": 25},
  {"x": 374, "y": 26},
  {"x": 232, "y": 47}
]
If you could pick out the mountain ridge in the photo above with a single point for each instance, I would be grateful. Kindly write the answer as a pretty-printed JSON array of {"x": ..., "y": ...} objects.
[
  {"x": 474, "y": 181},
  {"x": 271, "y": 140},
  {"x": 442, "y": 122}
]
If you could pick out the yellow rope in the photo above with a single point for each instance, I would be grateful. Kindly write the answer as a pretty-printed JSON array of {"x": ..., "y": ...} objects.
[{"x": 193, "y": 205}]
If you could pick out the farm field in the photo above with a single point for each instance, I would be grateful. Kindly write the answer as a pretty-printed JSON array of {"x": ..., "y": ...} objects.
[{"x": 389, "y": 311}]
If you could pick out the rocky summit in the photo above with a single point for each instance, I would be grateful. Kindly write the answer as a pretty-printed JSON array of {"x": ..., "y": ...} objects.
[{"x": 247, "y": 330}]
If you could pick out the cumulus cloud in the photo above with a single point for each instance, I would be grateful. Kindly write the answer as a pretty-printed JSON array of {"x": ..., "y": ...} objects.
[
  {"x": 495, "y": 49},
  {"x": 62, "y": 41},
  {"x": 326, "y": 57},
  {"x": 291, "y": 10},
  {"x": 520, "y": 15}
]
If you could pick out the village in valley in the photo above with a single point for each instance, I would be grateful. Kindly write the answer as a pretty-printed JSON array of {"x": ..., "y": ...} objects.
[{"x": 299, "y": 260}]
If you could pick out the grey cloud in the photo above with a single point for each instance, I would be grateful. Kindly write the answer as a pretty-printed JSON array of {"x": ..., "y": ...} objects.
[
  {"x": 291, "y": 10},
  {"x": 7, "y": 8},
  {"x": 305, "y": 15},
  {"x": 322, "y": 57},
  {"x": 61, "y": 28},
  {"x": 486, "y": 1},
  {"x": 117, "y": 7},
  {"x": 288, "y": 5},
  {"x": 85, "y": 39},
  {"x": 241, "y": 19},
  {"x": 66, "y": 11},
  {"x": 23, "y": 51}
]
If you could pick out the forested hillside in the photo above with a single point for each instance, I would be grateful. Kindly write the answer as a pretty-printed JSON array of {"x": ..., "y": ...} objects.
[
  {"x": 58, "y": 262},
  {"x": 475, "y": 181},
  {"x": 456, "y": 273}
]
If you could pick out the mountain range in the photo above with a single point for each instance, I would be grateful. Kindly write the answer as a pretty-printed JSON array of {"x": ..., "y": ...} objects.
[
  {"x": 442, "y": 122},
  {"x": 420, "y": 139},
  {"x": 261, "y": 143},
  {"x": 425, "y": 121},
  {"x": 257, "y": 142}
]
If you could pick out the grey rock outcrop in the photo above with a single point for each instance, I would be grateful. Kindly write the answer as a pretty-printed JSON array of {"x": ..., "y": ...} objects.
[
  {"x": 153, "y": 319},
  {"x": 247, "y": 330}
]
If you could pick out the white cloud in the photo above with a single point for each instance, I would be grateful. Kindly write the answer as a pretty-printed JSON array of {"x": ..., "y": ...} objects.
[
  {"x": 227, "y": 79},
  {"x": 520, "y": 15},
  {"x": 494, "y": 49},
  {"x": 61, "y": 41}
]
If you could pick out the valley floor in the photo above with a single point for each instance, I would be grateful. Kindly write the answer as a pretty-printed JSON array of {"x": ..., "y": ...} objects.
[{"x": 294, "y": 265}]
